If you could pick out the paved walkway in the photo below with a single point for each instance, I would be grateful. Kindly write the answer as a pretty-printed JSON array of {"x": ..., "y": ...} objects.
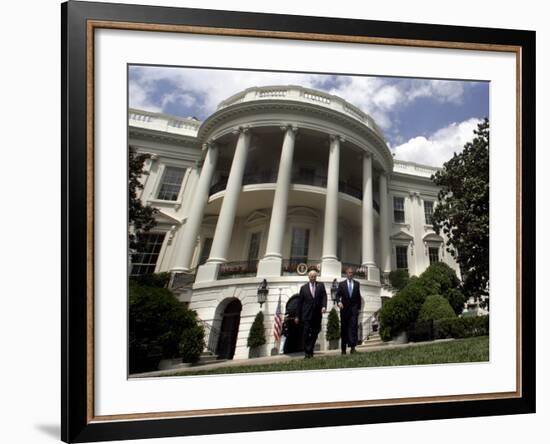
[{"x": 365, "y": 348}]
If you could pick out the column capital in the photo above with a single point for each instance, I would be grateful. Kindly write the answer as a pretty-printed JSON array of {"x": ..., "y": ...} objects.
[
  {"x": 337, "y": 137},
  {"x": 289, "y": 126},
  {"x": 209, "y": 144},
  {"x": 367, "y": 154},
  {"x": 242, "y": 129}
]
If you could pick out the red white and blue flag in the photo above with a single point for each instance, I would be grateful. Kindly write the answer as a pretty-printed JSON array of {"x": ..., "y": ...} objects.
[{"x": 278, "y": 321}]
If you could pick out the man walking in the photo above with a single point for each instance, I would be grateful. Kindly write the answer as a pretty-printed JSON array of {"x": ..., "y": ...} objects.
[
  {"x": 348, "y": 297},
  {"x": 312, "y": 303}
]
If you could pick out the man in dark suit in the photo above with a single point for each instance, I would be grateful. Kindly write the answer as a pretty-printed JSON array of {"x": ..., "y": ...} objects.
[
  {"x": 348, "y": 297},
  {"x": 312, "y": 303}
]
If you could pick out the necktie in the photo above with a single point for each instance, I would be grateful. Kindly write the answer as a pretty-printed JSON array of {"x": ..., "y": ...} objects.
[
  {"x": 312, "y": 289},
  {"x": 350, "y": 287}
]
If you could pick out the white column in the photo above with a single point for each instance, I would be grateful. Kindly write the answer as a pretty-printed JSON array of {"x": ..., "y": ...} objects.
[
  {"x": 224, "y": 228},
  {"x": 330, "y": 266},
  {"x": 368, "y": 221},
  {"x": 384, "y": 225},
  {"x": 186, "y": 244},
  {"x": 270, "y": 265}
]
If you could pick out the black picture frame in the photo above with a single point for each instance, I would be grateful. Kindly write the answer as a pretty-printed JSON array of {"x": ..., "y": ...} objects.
[{"x": 77, "y": 424}]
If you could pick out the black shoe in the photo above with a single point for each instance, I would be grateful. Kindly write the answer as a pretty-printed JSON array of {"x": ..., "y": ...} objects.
[
  {"x": 353, "y": 350},
  {"x": 343, "y": 352}
]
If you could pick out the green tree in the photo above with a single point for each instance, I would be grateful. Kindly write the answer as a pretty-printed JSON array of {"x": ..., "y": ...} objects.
[
  {"x": 256, "y": 336},
  {"x": 141, "y": 218},
  {"x": 462, "y": 212},
  {"x": 333, "y": 326},
  {"x": 157, "y": 321}
]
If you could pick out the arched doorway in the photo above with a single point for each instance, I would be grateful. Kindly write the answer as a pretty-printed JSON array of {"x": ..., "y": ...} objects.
[
  {"x": 295, "y": 339},
  {"x": 227, "y": 340}
]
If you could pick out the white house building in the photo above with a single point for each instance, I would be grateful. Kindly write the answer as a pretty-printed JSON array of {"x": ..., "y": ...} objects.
[{"x": 278, "y": 177}]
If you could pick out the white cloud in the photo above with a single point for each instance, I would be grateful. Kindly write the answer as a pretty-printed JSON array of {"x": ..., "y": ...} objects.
[
  {"x": 440, "y": 146},
  {"x": 445, "y": 91}
]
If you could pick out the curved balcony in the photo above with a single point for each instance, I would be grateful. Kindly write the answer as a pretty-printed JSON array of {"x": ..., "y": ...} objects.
[{"x": 314, "y": 180}]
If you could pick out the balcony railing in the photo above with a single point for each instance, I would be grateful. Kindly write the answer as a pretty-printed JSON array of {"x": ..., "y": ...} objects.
[
  {"x": 359, "y": 271},
  {"x": 315, "y": 180},
  {"x": 240, "y": 269}
]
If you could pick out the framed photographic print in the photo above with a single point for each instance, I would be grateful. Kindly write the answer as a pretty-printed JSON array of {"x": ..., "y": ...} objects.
[{"x": 275, "y": 221}]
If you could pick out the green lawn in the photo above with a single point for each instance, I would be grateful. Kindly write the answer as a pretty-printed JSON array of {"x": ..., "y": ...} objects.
[{"x": 461, "y": 350}]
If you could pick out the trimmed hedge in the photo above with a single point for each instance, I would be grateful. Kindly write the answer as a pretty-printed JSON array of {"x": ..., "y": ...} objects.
[
  {"x": 434, "y": 308},
  {"x": 157, "y": 321},
  {"x": 158, "y": 280},
  {"x": 256, "y": 335},
  {"x": 461, "y": 327},
  {"x": 403, "y": 309},
  {"x": 333, "y": 326},
  {"x": 192, "y": 344},
  {"x": 398, "y": 278}
]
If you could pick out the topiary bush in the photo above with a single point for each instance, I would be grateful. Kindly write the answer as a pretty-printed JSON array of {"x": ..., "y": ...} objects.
[
  {"x": 192, "y": 344},
  {"x": 333, "y": 326},
  {"x": 256, "y": 335},
  {"x": 398, "y": 278},
  {"x": 434, "y": 308},
  {"x": 398, "y": 313},
  {"x": 459, "y": 327}
]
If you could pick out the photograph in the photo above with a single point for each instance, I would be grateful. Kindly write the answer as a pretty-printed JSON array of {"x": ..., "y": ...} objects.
[{"x": 301, "y": 221}]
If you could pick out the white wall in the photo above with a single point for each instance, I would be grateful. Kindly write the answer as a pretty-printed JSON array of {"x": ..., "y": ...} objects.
[{"x": 29, "y": 319}]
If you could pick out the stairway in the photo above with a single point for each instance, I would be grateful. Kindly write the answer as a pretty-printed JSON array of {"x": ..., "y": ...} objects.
[
  {"x": 373, "y": 340},
  {"x": 207, "y": 357}
]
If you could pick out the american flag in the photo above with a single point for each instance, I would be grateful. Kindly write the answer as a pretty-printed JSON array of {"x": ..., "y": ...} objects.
[{"x": 278, "y": 321}]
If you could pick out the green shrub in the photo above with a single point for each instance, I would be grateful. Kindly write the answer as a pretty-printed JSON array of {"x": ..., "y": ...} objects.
[
  {"x": 398, "y": 278},
  {"x": 434, "y": 308},
  {"x": 256, "y": 336},
  {"x": 333, "y": 326},
  {"x": 157, "y": 321},
  {"x": 159, "y": 280},
  {"x": 456, "y": 299},
  {"x": 192, "y": 343},
  {"x": 402, "y": 309},
  {"x": 461, "y": 327}
]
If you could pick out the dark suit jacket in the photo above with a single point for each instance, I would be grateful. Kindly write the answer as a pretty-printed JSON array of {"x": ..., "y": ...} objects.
[
  {"x": 353, "y": 303},
  {"x": 310, "y": 308}
]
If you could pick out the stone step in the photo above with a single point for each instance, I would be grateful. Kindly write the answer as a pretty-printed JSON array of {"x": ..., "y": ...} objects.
[{"x": 372, "y": 343}]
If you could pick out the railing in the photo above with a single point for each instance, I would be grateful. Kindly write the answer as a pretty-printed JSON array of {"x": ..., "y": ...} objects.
[
  {"x": 230, "y": 270},
  {"x": 290, "y": 266},
  {"x": 182, "y": 280},
  {"x": 213, "y": 335},
  {"x": 359, "y": 271},
  {"x": 313, "y": 180}
]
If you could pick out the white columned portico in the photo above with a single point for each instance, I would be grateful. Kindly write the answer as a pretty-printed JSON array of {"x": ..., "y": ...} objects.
[
  {"x": 186, "y": 244},
  {"x": 331, "y": 267},
  {"x": 271, "y": 264},
  {"x": 384, "y": 225},
  {"x": 368, "y": 221},
  {"x": 224, "y": 228}
]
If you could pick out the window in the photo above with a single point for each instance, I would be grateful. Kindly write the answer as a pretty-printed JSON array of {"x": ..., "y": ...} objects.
[
  {"x": 171, "y": 183},
  {"x": 428, "y": 211},
  {"x": 205, "y": 252},
  {"x": 300, "y": 245},
  {"x": 401, "y": 256},
  {"x": 254, "y": 246},
  {"x": 144, "y": 261},
  {"x": 433, "y": 254},
  {"x": 398, "y": 209}
]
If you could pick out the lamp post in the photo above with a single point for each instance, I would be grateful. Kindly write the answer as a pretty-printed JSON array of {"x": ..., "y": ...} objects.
[
  {"x": 263, "y": 290},
  {"x": 334, "y": 291}
]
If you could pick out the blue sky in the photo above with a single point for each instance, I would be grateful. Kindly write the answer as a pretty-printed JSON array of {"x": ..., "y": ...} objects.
[{"x": 424, "y": 120}]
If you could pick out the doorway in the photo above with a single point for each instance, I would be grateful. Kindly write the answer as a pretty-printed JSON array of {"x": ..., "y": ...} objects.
[{"x": 227, "y": 340}]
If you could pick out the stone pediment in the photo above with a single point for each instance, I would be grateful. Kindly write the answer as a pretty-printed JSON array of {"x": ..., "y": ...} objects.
[
  {"x": 432, "y": 237},
  {"x": 402, "y": 236},
  {"x": 164, "y": 218}
]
